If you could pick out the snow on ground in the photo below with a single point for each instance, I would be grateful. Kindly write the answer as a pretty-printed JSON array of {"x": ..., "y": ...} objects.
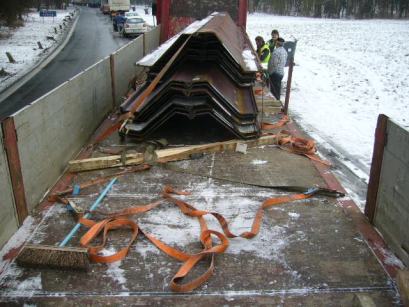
[
  {"x": 22, "y": 44},
  {"x": 347, "y": 72},
  {"x": 140, "y": 9}
]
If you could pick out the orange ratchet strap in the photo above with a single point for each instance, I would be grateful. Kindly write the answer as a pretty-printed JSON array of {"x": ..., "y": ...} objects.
[
  {"x": 267, "y": 126},
  {"x": 119, "y": 219}
]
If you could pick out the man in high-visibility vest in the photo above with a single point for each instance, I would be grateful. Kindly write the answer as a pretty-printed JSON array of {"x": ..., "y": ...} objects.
[{"x": 263, "y": 50}]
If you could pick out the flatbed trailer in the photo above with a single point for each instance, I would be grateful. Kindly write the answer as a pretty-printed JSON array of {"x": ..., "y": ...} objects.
[
  {"x": 317, "y": 251},
  {"x": 309, "y": 252}
]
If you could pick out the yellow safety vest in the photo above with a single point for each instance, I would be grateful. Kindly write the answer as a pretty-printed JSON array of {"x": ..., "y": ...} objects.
[{"x": 267, "y": 59}]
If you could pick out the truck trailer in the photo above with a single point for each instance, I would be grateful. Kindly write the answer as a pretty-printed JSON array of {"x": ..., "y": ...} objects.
[
  {"x": 119, "y": 5},
  {"x": 217, "y": 219}
]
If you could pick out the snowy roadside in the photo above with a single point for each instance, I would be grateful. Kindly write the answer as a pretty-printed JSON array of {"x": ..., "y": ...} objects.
[
  {"x": 347, "y": 72},
  {"x": 22, "y": 43},
  {"x": 149, "y": 19}
]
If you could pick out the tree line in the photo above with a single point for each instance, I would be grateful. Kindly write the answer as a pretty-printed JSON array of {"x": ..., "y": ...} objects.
[
  {"x": 12, "y": 11},
  {"x": 334, "y": 8}
]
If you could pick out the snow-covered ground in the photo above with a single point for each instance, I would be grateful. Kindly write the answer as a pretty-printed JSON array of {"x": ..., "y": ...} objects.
[
  {"x": 140, "y": 9},
  {"x": 347, "y": 72},
  {"x": 22, "y": 44}
]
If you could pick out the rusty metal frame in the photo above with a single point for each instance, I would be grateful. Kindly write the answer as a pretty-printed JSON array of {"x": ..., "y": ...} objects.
[
  {"x": 113, "y": 83},
  {"x": 242, "y": 18},
  {"x": 288, "y": 90},
  {"x": 376, "y": 166},
  {"x": 14, "y": 163}
]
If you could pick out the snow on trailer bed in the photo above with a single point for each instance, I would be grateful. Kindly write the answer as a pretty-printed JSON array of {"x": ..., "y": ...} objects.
[{"x": 308, "y": 252}]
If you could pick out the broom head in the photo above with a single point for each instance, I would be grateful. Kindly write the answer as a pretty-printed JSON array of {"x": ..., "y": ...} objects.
[{"x": 49, "y": 256}]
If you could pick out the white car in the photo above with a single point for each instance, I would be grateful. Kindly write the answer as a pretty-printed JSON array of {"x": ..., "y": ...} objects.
[
  {"x": 131, "y": 14},
  {"x": 134, "y": 26}
]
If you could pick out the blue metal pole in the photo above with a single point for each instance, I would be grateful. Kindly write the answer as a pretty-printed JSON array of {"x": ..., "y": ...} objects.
[{"x": 93, "y": 207}]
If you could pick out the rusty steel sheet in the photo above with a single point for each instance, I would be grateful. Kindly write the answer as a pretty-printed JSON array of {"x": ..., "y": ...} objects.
[
  {"x": 233, "y": 39},
  {"x": 191, "y": 76},
  {"x": 141, "y": 131},
  {"x": 209, "y": 77}
]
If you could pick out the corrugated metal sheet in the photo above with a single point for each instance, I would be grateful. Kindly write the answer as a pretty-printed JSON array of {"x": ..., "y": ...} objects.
[{"x": 211, "y": 76}]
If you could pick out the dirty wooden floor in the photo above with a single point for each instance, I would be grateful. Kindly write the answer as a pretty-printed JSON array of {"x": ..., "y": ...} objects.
[{"x": 308, "y": 253}]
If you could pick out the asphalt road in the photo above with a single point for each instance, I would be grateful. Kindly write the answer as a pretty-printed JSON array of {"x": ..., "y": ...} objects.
[{"x": 92, "y": 40}]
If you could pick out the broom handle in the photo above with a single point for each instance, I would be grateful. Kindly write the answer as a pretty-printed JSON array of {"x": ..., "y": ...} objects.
[{"x": 93, "y": 207}]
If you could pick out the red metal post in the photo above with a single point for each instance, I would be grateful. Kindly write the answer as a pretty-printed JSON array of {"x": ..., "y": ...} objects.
[
  {"x": 164, "y": 8},
  {"x": 288, "y": 90},
  {"x": 13, "y": 159},
  {"x": 113, "y": 84},
  {"x": 242, "y": 16},
  {"x": 158, "y": 12},
  {"x": 376, "y": 167}
]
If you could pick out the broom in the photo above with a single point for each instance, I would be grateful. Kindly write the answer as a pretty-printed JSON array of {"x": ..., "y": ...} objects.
[{"x": 60, "y": 257}]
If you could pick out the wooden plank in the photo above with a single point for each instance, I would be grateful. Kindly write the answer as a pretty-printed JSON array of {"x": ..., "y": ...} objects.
[
  {"x": 104, "y": 162},
  {"x": 176, "y": 154},
  {"x": 164, "y": 155}
]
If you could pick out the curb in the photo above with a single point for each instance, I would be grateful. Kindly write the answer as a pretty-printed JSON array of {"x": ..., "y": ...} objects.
[{"x": 36, "y": 69}]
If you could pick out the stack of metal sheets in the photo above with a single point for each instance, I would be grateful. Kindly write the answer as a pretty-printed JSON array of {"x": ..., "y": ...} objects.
[{"x": 213, "y": 75}]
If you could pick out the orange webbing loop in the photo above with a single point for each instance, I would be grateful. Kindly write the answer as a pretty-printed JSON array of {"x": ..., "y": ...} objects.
[
  {"x": 118, "y": 220},
  {"x": 300, "y": 146},
  {"x": 267, "y": 126}
]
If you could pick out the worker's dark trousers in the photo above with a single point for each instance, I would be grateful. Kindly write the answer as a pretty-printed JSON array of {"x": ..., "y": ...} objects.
[{"x": 275, "y": 85}]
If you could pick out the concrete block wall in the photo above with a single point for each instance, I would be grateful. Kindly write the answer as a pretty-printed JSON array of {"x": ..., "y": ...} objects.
[
  {"x": 56, "y": 126},
  {"x": 392, "y": 207},
  {"x": 8, "y": 215}
]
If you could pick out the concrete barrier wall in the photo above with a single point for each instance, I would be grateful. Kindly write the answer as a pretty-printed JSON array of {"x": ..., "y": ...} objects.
[
  {"x": 152, "y": 39},
  {"x": 8, "y": 216},
  {"x": 56, "y": 126},
  {"x": 124, "y": 69},
  {"x": 392, "y": 207}
]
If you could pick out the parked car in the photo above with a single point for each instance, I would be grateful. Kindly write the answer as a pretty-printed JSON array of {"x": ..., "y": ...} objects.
[
  {"x": 134, "y": 26},
  {"x": 131, "y": 14}
]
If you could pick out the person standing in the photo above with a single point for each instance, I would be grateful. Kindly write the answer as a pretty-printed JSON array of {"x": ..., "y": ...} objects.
[
  {"x": 276, "y": 68},
  {"x": 272, "y": 42},
  {"x": 263, "y": 51}
]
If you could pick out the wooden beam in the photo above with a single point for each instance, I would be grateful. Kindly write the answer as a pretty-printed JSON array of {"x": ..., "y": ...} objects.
[
  {"x": 176, "y": 154},
  {"x": 164, "y": 155},
  {"x": 104, "y": 162}
]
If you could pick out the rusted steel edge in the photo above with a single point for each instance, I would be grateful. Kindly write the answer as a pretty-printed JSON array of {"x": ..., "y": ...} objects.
[
  {"x": 371, "y": 236},
  {"x": 242, "y": 18},
  {"x": 288, "y": 90},
  {"x": 14, "y": 164},
  {"x": 164, "y": 19},
  {"x": 376, "y": 167}
]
